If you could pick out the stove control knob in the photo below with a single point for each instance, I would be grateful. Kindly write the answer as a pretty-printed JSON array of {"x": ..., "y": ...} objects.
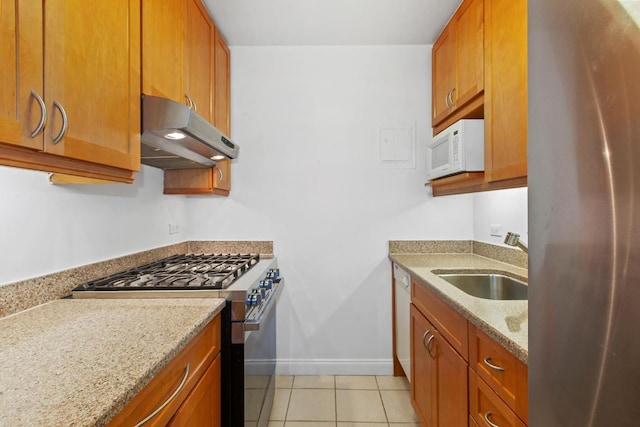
[
  {"x": 273, "y": 273},
  {"x": 266, "y": 283},
  {"x": 254, "y": 300},
  {"x": 263, "y": 293}
]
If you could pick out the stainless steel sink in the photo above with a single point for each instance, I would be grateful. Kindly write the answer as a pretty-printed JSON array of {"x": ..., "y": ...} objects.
[{"x": 488, "y": 286}]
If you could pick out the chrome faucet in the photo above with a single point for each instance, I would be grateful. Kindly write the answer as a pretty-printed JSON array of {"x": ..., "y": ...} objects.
[{"x": 513, "y": 239}]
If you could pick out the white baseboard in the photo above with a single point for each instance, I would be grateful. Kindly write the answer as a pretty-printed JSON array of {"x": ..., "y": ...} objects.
[{"x": 334, "y": 367}]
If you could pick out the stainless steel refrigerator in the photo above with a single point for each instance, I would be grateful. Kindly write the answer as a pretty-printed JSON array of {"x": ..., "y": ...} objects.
[{"x": 584, "y": 213}]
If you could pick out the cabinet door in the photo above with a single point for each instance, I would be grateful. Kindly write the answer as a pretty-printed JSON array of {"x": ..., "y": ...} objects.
[
  {"x": 423, "y": 370},
  {"x": 216, "y": 56},
  {"x": 198, "y": 58},
  {"x": 222, "y": 107},
  {"x": 452, "y": 391},
  {"x": 443, "y": 73},
  {"x": 202, "y": 407},
  {"x": 469, "y": 51},
  {"x": 21, "y": 72},
  {"x": 162, "y": 48},
  {"x": 505, "y": 89},
  {"x": 92, "y": 75},
  {"x": 438, "y": 376}
]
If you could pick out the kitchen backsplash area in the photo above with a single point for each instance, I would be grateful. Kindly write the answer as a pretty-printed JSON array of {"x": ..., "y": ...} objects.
[
  {"x": 499, "y": 253},
  {"x": 24, "y": 294}
]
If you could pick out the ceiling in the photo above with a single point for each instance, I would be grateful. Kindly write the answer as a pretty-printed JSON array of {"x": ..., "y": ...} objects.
[{"x": 330, "y": 22}]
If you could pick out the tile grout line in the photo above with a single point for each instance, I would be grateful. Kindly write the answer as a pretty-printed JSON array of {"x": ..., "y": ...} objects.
[
  {"x": 384, "y": 408},
  {"x": 286, "y": 413},
  {"x": 335, "y": 399}
]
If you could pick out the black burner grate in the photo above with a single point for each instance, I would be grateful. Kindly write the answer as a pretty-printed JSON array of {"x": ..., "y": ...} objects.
[{"x": 191, "y": 271}]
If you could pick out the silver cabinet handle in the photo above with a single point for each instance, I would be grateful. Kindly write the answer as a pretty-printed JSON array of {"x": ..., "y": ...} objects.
[
  {"x": 429, "y": 346},
  {"x": 453, "y": 103},
  {"x": 446, "y": 100},
  {"x": 166, "y": 402},
  {"x": 423, "y": 338},
  {"x": 450, "y": 99},
  {"x": 486, "y": 418},
  {"x": 220, "y": 176},
  {"x": 491, "y": 365},
  {"x": 65, "y": 122},
  {"x": 192, "y": 104},
  {"x": 43, "y": 114}
]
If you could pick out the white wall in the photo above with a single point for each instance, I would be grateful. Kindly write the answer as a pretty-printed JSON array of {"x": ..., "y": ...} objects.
[
  {"x": 46, "y": 228},
  {"x": 309, "y": 178},
  {"x": 507, "y": 208}
]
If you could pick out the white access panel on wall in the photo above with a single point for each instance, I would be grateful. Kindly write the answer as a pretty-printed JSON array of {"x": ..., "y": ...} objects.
[{"x": 397, "y": 147}]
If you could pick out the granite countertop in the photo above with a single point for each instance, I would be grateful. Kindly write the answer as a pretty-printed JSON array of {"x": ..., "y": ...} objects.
[
  {"x": 504, "y": 321},
  {"x": 79, "y": 362}
]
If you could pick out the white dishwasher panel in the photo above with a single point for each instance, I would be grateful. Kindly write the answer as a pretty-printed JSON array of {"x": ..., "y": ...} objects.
[{"x": 403, "y": 301}]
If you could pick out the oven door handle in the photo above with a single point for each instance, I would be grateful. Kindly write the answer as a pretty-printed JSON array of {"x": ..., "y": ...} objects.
[{"x": 254, "y": 325}]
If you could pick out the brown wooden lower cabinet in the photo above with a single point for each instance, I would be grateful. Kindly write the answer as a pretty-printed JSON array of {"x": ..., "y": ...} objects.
[
  {"x": 486, "y": 407},
  {"x": 502, "y": 371},
  {"x": 182, "y": 392},
  {"x": 202, "y": 407},
  {"x": 438, "y": 376}
]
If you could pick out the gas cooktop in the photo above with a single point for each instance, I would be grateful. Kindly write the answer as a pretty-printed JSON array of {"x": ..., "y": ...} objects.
[{"x": 179, "y": 272}]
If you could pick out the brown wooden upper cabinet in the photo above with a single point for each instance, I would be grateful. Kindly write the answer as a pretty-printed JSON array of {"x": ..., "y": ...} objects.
[
  {"x": 71, "y": 105},
  {"x": 505, "y": 111},
  {"x": 485, "y": 78},
  {"x": 181, "y": 60},
  {"x": 458, "y": 67}
]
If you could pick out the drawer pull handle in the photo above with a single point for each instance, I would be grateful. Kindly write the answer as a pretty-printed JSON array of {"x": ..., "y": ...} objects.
[
  {"x": 429, "y": 346},
  {"x": 423, "y": 338},
  {"x": 486, "y": 418},
  {"x": 43, "y": 114},
  {"x": 491, "y": 365},
  {"x": 166, "y": 402}
]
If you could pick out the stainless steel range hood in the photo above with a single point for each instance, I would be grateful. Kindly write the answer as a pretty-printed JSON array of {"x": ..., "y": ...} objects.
[{"x": 175, "y": 137}]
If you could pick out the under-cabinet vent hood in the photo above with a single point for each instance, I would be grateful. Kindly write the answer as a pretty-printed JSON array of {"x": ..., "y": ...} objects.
[{"x": 176, "y": 137}]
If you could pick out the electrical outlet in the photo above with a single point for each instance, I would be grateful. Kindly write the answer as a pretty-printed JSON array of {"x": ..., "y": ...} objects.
[
  {"x": 174, "y": 228},
  {"x": 496, "y": 230}
]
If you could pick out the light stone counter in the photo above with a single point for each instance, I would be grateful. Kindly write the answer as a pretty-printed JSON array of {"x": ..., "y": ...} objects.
[
  {"x": 504, "y": 321},
  {"x": 79, "y": 362}
]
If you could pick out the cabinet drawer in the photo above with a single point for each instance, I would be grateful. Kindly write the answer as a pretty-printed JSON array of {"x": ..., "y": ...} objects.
[
  {"x": 485, "y": 406},
  {"x": 502, "y": 371},
  {"x": 202, "y": 407},
  {"x": 448, "y": 322},
  {"x": 182, "y": 373}
]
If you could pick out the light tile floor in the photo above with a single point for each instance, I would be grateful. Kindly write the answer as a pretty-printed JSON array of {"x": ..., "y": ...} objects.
[{"x": 342, "y": 401}]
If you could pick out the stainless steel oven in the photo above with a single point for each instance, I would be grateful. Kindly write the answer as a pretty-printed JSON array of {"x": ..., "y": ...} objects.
[
  {"x": 250, "y": 376},
  {"x": 251, "y": 285},
  {"x": 250, "y": 343}
]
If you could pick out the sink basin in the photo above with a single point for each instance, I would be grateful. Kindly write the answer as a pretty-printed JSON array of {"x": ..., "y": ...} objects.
[{"x": 488, "y": 286}]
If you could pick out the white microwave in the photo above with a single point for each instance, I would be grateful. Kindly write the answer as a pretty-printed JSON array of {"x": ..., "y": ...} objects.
[{"x": 458, "y": 148}]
